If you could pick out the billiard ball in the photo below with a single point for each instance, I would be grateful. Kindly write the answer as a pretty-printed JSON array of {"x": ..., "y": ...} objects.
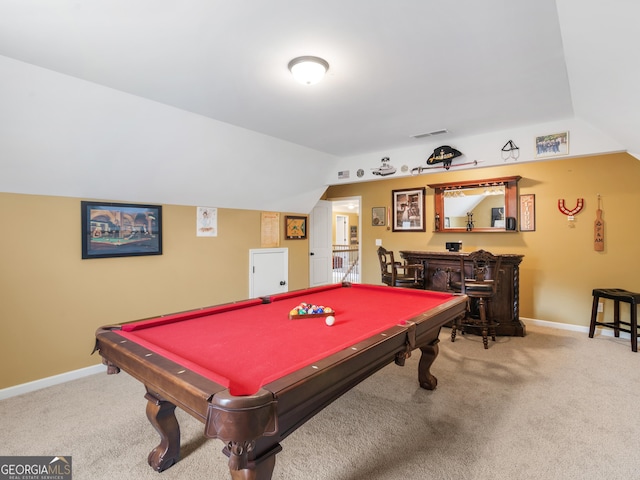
[{"x": 330, "y": 320}]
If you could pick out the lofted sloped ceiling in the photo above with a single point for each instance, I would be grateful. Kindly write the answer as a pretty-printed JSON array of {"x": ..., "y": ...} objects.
[{"x": 397, "y": 69}]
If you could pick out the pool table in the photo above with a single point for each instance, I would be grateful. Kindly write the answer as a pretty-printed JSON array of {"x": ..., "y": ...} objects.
[{"x": 252, "y": 375}]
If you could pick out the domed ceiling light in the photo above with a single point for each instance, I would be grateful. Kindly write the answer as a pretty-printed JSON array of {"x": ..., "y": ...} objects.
[{"x": 308, "y": 70}]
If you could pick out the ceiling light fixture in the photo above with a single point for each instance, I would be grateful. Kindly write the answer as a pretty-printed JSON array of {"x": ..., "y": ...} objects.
[{"x": 308, "y": 70}]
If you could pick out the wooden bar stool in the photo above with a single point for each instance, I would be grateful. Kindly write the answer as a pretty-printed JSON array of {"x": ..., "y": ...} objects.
[
  {"x": 480, "y": 283},
  {"x": 617, "y": 295}
]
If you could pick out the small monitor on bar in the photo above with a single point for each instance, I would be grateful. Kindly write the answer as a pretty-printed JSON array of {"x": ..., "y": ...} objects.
[{"x": 453, "y": 246}]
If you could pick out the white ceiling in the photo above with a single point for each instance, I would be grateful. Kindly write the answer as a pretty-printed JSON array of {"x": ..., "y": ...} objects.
[
  {"x": 397, "y": 68},
  {"x": 351, "y": 205}
]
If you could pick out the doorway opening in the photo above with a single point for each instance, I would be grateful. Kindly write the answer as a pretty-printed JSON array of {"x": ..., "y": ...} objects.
[{"x": 346, "y": 240}]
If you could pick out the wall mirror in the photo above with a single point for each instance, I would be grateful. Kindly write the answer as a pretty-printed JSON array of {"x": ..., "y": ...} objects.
[{"x": 476, "y": 205}]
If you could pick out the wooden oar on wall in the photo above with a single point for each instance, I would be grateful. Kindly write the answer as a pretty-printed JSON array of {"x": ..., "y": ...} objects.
[{"x": 598, "y": 230}]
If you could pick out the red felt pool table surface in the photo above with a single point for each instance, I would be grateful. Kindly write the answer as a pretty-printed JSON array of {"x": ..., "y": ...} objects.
[{"x": 246, "y": 345}]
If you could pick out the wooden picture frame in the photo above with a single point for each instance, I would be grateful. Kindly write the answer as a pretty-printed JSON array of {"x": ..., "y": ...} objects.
[
  {"x": 378, "y": 216},
  {"x": 295, "y": 228},
  {"x": 408, "y": 210},
  {"x": 120, "y": 229},
  {"x": 552, "y": 145},
  {"x": 528, "y": 213}
]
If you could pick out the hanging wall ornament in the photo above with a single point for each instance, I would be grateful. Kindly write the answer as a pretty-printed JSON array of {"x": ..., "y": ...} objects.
[
  {"x": 385, "y": 169},
  {"x": 570, "y": 213},
  {"x": 510, "y": 150},
  {"x": 598, "y": 230},
  {"x": 445, "y": 155}
]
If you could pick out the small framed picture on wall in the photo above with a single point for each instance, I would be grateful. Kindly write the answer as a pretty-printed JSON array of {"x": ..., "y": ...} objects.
[
  {"x": 378, "y": 216},
  {"x": 295, "y": 227},
  {"x": 552, "y": 145}
]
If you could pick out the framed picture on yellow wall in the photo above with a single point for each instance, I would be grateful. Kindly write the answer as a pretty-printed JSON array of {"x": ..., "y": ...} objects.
[
  {"x": 295, "y": 227},
  {"x": 120, "y": 229},
  {"x": 408, "y": 210},
  {"x": 378, "y": 216}
]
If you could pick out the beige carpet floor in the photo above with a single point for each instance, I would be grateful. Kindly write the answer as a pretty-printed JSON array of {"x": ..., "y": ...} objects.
[{"x": 552, "y": 405}]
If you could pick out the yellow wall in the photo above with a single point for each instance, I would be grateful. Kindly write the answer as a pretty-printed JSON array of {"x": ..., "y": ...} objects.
[
  {"x": 52, "y": 301},
  {"x": 560, "y": 267}
]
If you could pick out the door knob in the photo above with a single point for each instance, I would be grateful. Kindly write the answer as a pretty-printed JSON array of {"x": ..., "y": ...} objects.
[{"x": 282, "y": 282}]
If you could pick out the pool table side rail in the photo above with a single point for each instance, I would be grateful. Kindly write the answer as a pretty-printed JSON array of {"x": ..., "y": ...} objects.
[
  {"x": 167, "y": 379},
  {"x": 304, "y": 393}
]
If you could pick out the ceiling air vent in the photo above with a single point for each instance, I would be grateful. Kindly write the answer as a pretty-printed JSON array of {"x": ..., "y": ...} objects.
[{"x": 431, "y": 134}]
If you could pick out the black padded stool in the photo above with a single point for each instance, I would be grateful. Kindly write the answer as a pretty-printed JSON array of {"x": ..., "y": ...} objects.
[{"x": 617, "y": 295}]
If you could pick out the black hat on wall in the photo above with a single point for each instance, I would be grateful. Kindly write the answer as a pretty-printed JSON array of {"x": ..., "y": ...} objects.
[{"x": 443, "y": 154}]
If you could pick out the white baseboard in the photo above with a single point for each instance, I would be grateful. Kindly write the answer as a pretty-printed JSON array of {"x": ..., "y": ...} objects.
[
  {"x": 607, "y": 332},
  {"x": 50, "y": 381}
]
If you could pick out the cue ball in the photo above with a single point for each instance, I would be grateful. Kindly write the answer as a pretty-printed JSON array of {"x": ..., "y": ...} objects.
[{"x": 330, "y": 320}]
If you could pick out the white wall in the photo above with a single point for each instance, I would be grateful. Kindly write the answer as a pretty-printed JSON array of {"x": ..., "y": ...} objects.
[
  {"x": 63, "y": 136},
  {"x": 584, "y": 140}
]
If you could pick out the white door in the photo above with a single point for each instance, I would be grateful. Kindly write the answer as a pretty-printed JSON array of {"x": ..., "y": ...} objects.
[
  {"x": 320, "y": 244},
  {"x": 268, "y": 271},
  {"x": 342, "y": 230}
]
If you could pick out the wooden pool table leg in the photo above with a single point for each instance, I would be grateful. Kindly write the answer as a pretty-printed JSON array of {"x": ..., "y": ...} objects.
[
  {"x": 161, "y": 414},
  {"x": 245, "y": 425},
  {"x": 258, "y": 469},
  {"x": 429, "y": 354}
]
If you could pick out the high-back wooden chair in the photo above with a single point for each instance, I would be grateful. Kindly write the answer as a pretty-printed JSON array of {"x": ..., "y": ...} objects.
[
  {"x": 399, "y": 274},
  {"x": 480, "y": 281}
]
